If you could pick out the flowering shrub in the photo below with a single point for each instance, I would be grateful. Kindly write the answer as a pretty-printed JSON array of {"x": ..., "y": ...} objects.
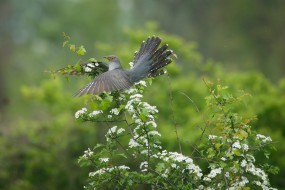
[{"x": 133, "y": 156}]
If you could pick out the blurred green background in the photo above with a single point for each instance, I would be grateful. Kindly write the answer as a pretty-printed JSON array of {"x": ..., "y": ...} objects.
[{"x": 240, "y": 42}]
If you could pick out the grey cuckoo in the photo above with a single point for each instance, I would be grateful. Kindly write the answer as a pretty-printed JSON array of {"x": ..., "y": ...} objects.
[{"x": 148, "y": 62}]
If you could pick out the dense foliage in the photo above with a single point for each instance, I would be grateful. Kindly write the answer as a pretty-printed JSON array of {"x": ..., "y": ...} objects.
[{"x": 230, "y": 149}]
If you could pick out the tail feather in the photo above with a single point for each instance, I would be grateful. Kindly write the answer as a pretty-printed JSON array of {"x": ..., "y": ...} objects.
[
  {"x": 160, "y": 65},
  {"x": 162, "y": 57},
  {"x": 139, "y": 53},
  {"x": 147, "y": 46},
  {"x": 157, "y": 73},
  {"x": 153, "y": 44},
  {"x": 159, "y": 51},
  {"x": 150, "y": 59}
]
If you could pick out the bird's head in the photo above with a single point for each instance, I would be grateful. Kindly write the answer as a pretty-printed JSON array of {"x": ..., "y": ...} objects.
[
  {"x": 112, "y": 58},
  {"x": 114, "y": 62}
]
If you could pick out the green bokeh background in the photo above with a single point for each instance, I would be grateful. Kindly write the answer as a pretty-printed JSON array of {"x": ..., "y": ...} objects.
[{"x": 239, "y": 42}]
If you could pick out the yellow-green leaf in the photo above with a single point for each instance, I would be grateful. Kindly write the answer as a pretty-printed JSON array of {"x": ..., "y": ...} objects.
[
  {"x": 81, "y": 50},
  {"x": 72, "y": 47}
]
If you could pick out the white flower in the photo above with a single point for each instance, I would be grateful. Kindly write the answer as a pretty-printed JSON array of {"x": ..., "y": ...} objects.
[
  {"x": 115, "y": 111},
  {"x": 139, "y": 121},
  {"x": 96, "y": 64},
  {"x": 87, "y": 69},
  {"x": 154, "y": 133},
  {"x": 131, "y": 91},
  {"x": 109, "y": 116},
  {"x": 123, "y": 167},
  {"x": 94, "y": 113},
  {"x": 259, "y": 136},
  {"x": 250, "y": 158},
  {"x": 136, "y": 96},
  {"x": 206, "y": 179},
  {"x": 90, "y": 65},
  {"x": 143, "y": 165},
  {"x": 142, "y": 82},
  {"x": 112, "y": 130},
  {"x": 164, "y": 175},
  {"x": 119, "y": 131},
  {"x": 244, "y": 181},
  {"x": 243, "y": 163},
  {"x": 88, "y": 153},
  {"x": 245, "y": 147},
  {"x": 98, "y": 172},
  {"x": 174, "y": 166},
  {"x": 211, "y": 137},
  {"x": 81, "y": 112},
  {"x": 236, "y": 145},
  {"x": 103, "y": 170},
  {"x": 214, "y": 172},
  {"x": 144, "y": 152},
  {"x": 223, "y": 158},
  {"x": 227, "y": 174},
  {"x": 133, "y": 143},
  {"x": 263, "y": 138},
  {"x": 104, "y": 159},
  {"x": 152, "y": 123}
]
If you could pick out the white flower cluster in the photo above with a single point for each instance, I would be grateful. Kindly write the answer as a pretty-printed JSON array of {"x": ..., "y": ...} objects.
[
  {"x": 88, "y": 153},
  {"x": 135, "y": 107},
  {"x": 83, "y": 112},
  {"x": 245, "y": 147},
  {"x": 211, "y": 137},
  {"x": 154, "y": 133},
  {"x": 89, "y": 66},
  {"x": 151, "y": 123},
  {"x": 144, "y": 166},
  {"x": 108, "y": 170},
  {"x": 104, "y": 160},
  {"x": 113, "y": 132},
  {"x": 213, "y": 173},
  {"x": 263, "y": 138},
  {"x": 175, "y": 158},
  {"x": 247, "y": 166},
  {"x": 115, "y": 111},
  {"x": 143, "y": 83},
  {"x": 236, "y": 145},
  {"x": 80, "y": 113},
  {"x": 94, "y": 113},
  {"x": 257, "y": 172},
  {"x": 87, "y": 69},
  {"x": 239, "y": 183}
]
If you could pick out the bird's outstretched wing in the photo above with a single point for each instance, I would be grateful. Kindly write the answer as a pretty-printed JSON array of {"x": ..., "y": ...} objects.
[
  {"x": 109, "y": 81},
  {"x": 150, "y": 59},
  {"x": 90, "y": 68}
]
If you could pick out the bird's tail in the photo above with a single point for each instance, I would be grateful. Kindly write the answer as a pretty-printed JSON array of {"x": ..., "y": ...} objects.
[{"x": 150, "y": 59}]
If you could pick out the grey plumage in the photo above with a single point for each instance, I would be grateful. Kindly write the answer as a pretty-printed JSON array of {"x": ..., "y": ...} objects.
[{"x": 148, "y": 62}]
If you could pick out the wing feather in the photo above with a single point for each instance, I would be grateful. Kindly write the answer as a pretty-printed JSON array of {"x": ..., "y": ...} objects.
[{"x": 109, "y": 81}]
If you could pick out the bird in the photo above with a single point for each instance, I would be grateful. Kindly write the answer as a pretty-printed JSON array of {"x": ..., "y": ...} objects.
[{"x": 149, "y": 61}]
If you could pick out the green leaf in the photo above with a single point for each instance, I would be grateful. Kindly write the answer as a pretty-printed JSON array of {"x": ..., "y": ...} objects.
[
  {"x": 237, "y": 152},
  {"x": 123, "y": 155},
  {"x": 92, "y": 59},
  {"x": 160, "y": 167},
  {"x": 242, "y": 134},
  {"x": 143, "y": 114},
  {"x": 72, "y": 47},
  {"x": 81, "y": 50},
  {"x": 218, "y": 145},
  {"x": 77, "y": 67},
  {"x": 65, "y": 43}
]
